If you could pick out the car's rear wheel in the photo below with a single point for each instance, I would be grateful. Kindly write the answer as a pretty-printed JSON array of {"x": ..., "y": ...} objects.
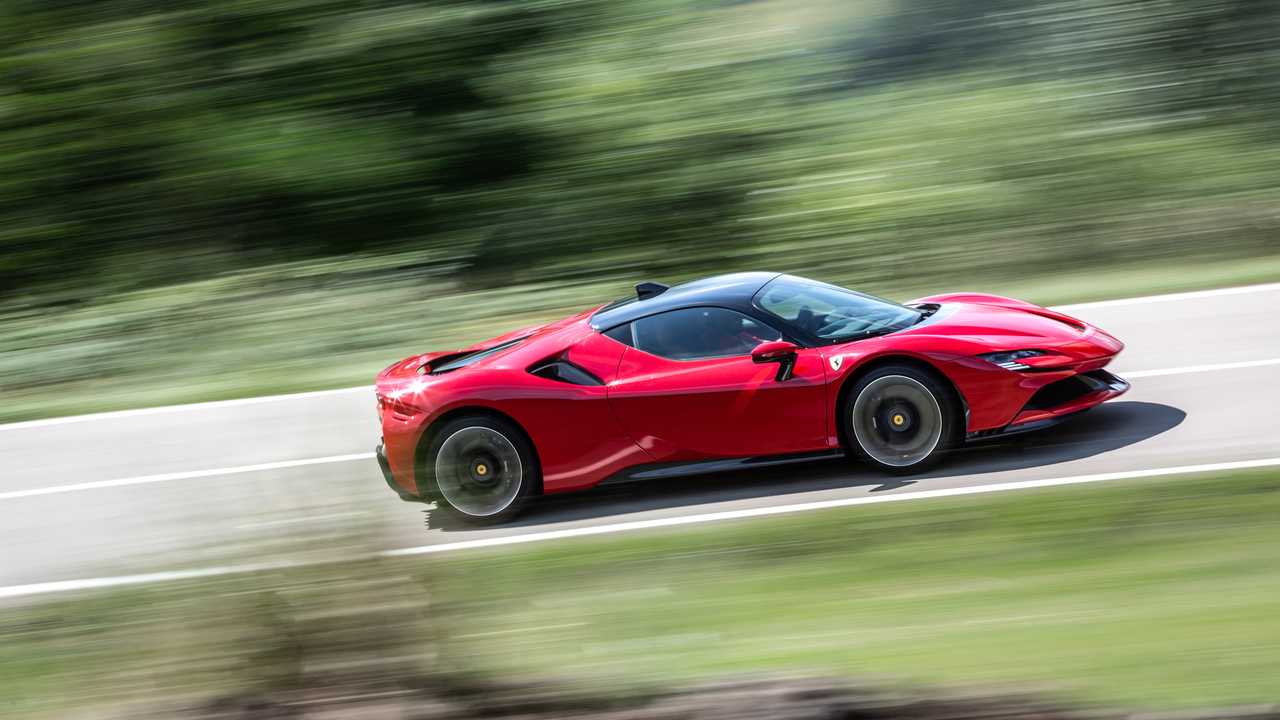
[
  {"x": 900, "y": 419},
  {"x": 482, "y": 469}
]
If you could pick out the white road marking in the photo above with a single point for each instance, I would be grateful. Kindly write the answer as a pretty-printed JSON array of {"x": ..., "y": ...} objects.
[
  {"x": 116, "y": 414},
  {"x": 185, "y": 475},
  {"x": 701, "y": 518},
  {"x": 1200, "y": 368},
  {"x": 1172, "y": 297},
  {"x": 260, "y": 467},
  {"x": 144, "y": 579},
  {"x": 822, "y": 505}
]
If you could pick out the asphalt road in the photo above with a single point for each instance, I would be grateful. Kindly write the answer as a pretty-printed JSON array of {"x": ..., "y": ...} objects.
[{"x": 292, "y": 477}]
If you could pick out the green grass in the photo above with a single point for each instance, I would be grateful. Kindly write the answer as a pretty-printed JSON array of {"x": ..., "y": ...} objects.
[
  {"x": 324, "y": 325},
  {"x": 1153, "y": 594},
  {"x": 1146, "y": 594}
]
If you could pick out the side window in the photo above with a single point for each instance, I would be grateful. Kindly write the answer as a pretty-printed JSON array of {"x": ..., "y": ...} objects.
[
  {"x": 700, "y": 333},
  {"x": 622, "y": 334}
]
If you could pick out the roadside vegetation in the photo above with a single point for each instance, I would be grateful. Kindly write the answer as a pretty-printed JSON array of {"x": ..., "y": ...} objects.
[
  {"x": 218, "y": 199},
  {"x": 314, "y": 326},
  {"x": 1155, "y": 594}
]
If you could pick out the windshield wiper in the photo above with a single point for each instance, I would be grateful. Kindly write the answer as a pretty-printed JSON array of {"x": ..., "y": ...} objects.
[{"x": 864, "y": 334}]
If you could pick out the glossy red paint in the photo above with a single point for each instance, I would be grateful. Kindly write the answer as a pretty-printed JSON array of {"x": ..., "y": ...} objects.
[
  {"x": 683, "y": 410},
  {"x": 649, "y": 409},
  {"x": 577, "y": 437},
  {"x": 985, "y": 324}
]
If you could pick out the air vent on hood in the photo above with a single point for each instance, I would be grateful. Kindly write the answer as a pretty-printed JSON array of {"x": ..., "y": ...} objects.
[{"x": 449, "y": 363}]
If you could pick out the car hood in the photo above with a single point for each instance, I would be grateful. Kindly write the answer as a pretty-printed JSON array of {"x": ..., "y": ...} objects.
[{"x": 1013, "y": 325}]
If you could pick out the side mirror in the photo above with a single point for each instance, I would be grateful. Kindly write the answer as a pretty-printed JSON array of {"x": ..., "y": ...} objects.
[
  {"x": 779, "y": 351},
  {"x": 772, "y": 351}
]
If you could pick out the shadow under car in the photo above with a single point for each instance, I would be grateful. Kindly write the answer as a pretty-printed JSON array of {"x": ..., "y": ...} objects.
[{"x": 1101, "y": 430}]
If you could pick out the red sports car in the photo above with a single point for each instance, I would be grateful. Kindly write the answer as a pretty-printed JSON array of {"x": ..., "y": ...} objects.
[{"x": 726, "y": 372}]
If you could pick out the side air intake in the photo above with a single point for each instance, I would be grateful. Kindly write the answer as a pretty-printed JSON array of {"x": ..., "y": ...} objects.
[{"x": 561, "y": 370}]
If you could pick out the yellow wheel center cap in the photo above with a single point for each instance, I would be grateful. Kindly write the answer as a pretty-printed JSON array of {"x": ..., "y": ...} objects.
[
  {"x": 482, "y": 469},
  {"x": 898, "y": 419}
]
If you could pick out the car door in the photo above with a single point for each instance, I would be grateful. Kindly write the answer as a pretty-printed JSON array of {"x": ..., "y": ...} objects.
[{"x": 687, "y": 388}]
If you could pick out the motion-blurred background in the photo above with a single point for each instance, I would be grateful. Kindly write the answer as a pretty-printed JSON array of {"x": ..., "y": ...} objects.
[
  {"x": 205, "y": 199},
  {"x": 209, "y": 199}
]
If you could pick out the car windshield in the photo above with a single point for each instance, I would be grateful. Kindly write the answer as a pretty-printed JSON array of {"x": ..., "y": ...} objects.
[{"x": 832, "y": 313}]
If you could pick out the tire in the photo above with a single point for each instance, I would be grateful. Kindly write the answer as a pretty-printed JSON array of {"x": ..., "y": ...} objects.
[
  {"x": 481, "y": 469},
  {"x": 900, "y": 419}
]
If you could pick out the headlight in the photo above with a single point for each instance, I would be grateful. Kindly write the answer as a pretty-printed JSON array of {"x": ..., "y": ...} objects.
[{"x": 1009, "y": 360}]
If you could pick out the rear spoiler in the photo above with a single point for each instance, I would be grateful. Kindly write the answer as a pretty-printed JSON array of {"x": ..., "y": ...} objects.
[{"x": 646, "y": 290}]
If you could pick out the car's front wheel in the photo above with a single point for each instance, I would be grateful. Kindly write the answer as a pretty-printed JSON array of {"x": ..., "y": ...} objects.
[
  {"x": 900, "y": 419},
  {"x": 481, "y": 468}
]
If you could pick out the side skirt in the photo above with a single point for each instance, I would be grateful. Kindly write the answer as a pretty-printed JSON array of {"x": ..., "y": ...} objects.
[{"x": 656, "y": 471}]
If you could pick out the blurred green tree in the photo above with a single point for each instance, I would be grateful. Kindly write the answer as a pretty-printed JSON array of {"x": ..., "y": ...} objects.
[{"x": 146, "y": 142}]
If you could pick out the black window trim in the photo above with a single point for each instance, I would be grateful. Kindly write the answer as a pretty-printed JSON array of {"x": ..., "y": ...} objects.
[{"x": 630, "y": 332}]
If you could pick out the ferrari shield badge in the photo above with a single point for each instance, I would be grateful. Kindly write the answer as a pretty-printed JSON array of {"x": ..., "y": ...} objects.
[{"x": 836, "y": 362}]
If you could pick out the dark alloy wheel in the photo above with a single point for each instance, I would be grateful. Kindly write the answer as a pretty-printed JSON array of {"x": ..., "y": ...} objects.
[
  {"x": 481, "y": 468},
  {"x": 900, "y": 419}
]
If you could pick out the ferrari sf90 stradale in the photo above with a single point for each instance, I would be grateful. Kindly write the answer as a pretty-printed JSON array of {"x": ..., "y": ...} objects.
[{"x": 725, "y": 372}]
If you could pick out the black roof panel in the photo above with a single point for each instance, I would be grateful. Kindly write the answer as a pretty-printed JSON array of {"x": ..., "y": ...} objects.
[{"x": 733, "y": 291}]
